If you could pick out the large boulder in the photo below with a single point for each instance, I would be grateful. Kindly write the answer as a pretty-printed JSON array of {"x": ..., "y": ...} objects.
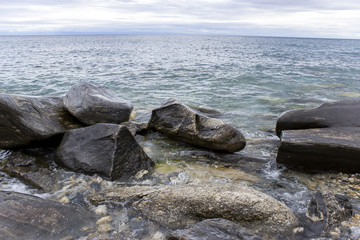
[
  {"x": 30, "y": 120},
  {"x": 104, "y": 148},
  {"x": 176, "y": 120},
  {"x": 182, "y": 206},
  {"x": 321, "y": 149},
  {"x": 27, "y": 217},
  {"x": 95, "y": 104},
  {"x": 214, "y": 229},
  {"x": 334, "y": 114}
]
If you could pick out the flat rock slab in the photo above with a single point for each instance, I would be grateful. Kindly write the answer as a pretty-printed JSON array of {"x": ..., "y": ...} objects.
[
  {"x": 334, "y": 114},
  {"x": 321, "y": 149},
  {"x": 27, "y": 120},
  {"x": 95, "y": 104},
  {"x": 214, "y": 229},
  {"x": 27, "y": 217},
  {"x": 104, "y": 148},
  {"x": 176, "y": 120},
  {"x": 182, "y": 206}
]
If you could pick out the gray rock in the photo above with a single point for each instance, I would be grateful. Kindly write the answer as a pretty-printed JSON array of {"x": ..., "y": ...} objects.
[
  {"x": 103, "y": 148},
  {"x": 321, "y": 149},
  {"x": 27, "y": 217},
  {"x": 176, "y": 120},
  {"x": 182, "y": 206},
  {"x": 136, "y": 127},
  {"x": 94, "y": 104},
  {"x": 334, "y": 114},
  {"x": 324, "y": 212},
  {"x": 32, "y": 170},
  {"x": 214, "y": 229},
  {"x": 29, "y": 120}
]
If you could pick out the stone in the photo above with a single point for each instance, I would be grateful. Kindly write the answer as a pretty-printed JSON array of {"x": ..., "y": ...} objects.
[
  {"x": 176, "y": 120},
  {"x": 214, "y": 229},
  {"x": 33, "y": 170},
  {"x": 104, "y": 148},
  {"x": 324, "y": 212},
  {"x": 182, "y": 206},
  {"x": 36, "y": 218},
  {"x": 95, "y": 104},
  {"x": 28, "y": 120},
  {"x": 136, "y": 127},
  {"x": 333, "y": 114},
  {"x": 321, "y": 149}
]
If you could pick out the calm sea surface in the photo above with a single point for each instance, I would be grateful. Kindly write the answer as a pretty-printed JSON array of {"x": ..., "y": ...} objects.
[{"x": 250, "y": 81}]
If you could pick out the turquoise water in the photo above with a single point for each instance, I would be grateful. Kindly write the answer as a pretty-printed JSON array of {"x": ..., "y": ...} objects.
[{"x": 250, "y": 80}]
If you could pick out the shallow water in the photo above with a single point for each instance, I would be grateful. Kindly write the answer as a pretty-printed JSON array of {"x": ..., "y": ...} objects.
[{"x": 245, "y": 81}]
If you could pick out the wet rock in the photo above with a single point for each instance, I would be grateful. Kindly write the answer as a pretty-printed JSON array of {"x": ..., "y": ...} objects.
[
  {"x": 94, "y": 104},
  {"x": 32, "y": 120},
  {"x": 176, "y": 120},
  {"x": 24, "y": 216},
  {"x": 321, "y": 149},
  {"x": 32, "y": 170},
  {"x": 214, "y": 229},
  {"x": 334, "y": 114},
  {"x": 136, "y": 127},
  {"x": 103, "y": 148},
  {"x": 324, "y": 212},
  {"x": 182, "y": 206}
]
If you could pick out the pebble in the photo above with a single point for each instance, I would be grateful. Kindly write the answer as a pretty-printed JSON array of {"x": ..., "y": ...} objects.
[
  {"x": 104, "y": 227},
  {"x": 101, "y": 210},
  {"x": 104, "y": 220}
]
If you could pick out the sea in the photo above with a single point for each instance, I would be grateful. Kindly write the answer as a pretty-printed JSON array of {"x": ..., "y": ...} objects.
[{"x": 247, "y": 82}]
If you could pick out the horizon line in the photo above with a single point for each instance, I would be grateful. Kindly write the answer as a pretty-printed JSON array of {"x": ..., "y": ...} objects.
[{"x": 160, "y": 33}]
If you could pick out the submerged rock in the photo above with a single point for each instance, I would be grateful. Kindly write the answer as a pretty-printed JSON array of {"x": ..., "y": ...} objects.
[
  {"x": 176, "y": 120},
  {"x": 29, "y": 120},
  {"x": 324, "y": 212},
  {"x": 214, "y": 229},
  {"x": 92, "y": 104},
  {"x": 27, "y": 217},
  {"x": 182, "y": 206},
  {"x": 334, "y": 114},
  {"x": 321, "y": 149},
  {"x": 103, "y": 148},
  {"x": 32, "y": 170}
]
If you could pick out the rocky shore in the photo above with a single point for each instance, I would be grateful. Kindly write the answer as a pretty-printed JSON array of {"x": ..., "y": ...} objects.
[{"x": 104, "y": 179}]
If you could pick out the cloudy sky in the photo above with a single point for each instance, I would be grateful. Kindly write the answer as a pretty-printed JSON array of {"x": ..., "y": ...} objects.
[{"x": 294, "y": 18}]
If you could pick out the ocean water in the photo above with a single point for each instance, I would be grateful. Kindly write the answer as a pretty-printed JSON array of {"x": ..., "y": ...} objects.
[{"x": 250, "y": 80}]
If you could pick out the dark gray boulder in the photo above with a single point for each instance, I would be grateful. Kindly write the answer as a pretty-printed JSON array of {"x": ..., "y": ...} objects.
[
  {"x": 334, "y": 114},
  {"x": 103, "y": 148},
  {"x": 214, "y": 229},
  {"x": 30, "y": 120},
  {"x": 321, "y": 149},
  {"x": 176, "y": 120},
  {"x": 27, "y": 217},
  {"x": 95, "y": 104}
]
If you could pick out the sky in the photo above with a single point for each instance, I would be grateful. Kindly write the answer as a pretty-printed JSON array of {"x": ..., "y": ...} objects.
[{"x": 286, "y": 18}]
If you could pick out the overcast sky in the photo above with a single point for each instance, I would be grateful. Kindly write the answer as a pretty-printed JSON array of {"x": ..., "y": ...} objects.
[{"x": 294, "y": 18}]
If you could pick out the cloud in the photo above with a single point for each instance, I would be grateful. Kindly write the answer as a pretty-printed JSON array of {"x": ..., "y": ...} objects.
[{"x": 308, "y": 18}]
